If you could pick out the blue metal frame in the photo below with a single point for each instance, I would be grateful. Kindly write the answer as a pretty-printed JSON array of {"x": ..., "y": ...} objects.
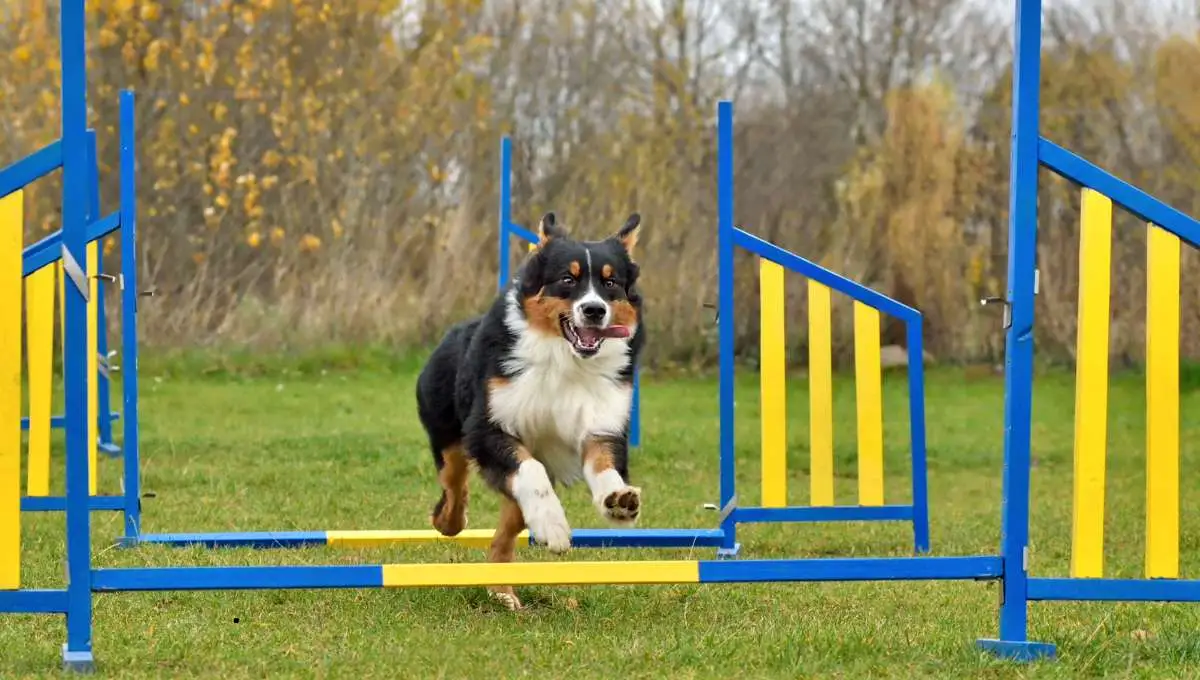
[
  {"x": 77, "y": 652},
  {"x": 580, "y": 538},
  {"x": 132, "y": 487},
  {"x": 731, "y": 237},
  {"x": 31, "y": 168},
  {"x": 507, "y": 229}
]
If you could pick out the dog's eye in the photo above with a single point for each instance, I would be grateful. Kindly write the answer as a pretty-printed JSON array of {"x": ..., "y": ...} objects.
[
  {"x": 567, "y": 280},
  {"x": 610, "y": 283}
]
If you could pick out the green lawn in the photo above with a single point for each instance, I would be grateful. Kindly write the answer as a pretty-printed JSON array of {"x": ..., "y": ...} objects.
[{"x": 343, "y": 449}]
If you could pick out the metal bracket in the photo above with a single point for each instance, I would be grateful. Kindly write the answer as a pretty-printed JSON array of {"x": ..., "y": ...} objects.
[
  {"x": 1000, "y": 301},
  {"x": 75, "y": 273},
  {"x": 105, "y": 277},
  {"x": 725, "y": 511}
]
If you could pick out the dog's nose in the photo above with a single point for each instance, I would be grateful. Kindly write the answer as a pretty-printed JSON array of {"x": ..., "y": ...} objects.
[{"x": 594, "y": 312}]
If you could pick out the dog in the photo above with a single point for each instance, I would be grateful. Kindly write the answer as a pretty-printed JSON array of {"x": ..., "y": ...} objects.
[{"x": 536, "y": 392}]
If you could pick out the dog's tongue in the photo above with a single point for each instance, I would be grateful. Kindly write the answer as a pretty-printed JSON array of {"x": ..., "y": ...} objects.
[
  {"x": 589, "y": 336},
  {"x": 616, "y": 332}
]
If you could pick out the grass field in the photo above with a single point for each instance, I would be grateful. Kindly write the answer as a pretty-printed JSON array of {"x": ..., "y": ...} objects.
[{"x": 296, "y": 446}]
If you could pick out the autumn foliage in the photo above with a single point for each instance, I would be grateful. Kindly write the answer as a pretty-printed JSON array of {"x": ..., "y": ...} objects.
[{"x": 327, "y": 171}]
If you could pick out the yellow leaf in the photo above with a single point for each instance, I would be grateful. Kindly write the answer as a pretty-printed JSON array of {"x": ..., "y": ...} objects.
[
  {"x": 277, "y": 236},
  {"x": 309, "y": 243},
  {"x": 254, "y": 239}
]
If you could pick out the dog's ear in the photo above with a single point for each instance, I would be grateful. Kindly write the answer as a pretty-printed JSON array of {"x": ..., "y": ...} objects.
[
  {"x": 627, "y": 236},
  {"x": 531, "y": 274},
  {"x": 548, "y": 230}
]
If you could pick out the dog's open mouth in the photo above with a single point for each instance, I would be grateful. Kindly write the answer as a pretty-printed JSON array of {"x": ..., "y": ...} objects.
[{"x": 586, "y": 340}]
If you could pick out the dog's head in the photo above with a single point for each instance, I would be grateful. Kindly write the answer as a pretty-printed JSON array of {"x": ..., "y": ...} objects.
[{"x": 582, "y": 291}]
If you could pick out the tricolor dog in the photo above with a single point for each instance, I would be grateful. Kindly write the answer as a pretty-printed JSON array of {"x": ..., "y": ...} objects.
[{"x": 537, "y": 391}]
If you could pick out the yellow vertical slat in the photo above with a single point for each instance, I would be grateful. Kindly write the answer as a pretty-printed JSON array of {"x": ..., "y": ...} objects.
[
  {"x": 820, "y": 394},
  {"x": 1091, "y": 385},
  {"x": 773, "y": 384},
  {"x": 1162, "y": 404},
  {"x": 868, "y": 383},
  {"x": 39, "y": 333},
  {"x": 93, "y": 394},
  {"x": 11, "y": 227}
]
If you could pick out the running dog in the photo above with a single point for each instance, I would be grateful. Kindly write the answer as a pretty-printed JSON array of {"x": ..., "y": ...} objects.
[{"x": 537, "y": 392}]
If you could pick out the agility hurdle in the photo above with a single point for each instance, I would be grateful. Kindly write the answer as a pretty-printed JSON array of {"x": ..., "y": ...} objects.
[
  {"x": 774, "y": 507},
  {"x": 773, "y": 262},
  {"x": 1166, "y": 228},
  {"x": 75, "y": 600},
  {"x": 42, "y": 272}
]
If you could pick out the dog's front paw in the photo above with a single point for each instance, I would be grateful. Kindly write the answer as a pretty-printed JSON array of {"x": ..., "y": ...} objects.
[
  {"x": 622, "y": 506},
  {"x": 551, "y": 530}
]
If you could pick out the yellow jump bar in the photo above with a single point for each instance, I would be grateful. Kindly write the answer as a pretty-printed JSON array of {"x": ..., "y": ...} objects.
[
  {"x": 549, "y": 573},
  {"x": 478, "y": 538}
]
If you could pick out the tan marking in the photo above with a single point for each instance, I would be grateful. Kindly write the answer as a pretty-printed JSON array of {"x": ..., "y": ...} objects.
[
  {"x": 625, "y": 314},
  {"x": 452, "y": 518},
  {"x": 597, "y": 455},
  {"x": 629, "y": 241},
  {"x": 606, "y": 271},
  {"x": 543, "y": 313},
  {"x": 504, "y": 543},
  {"x": 575, "y": 268}
]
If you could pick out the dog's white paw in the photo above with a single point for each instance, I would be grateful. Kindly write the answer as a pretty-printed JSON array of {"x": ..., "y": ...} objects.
[
  {"x": 622, "y": 506},
  {"x": 551, "y": 530}
]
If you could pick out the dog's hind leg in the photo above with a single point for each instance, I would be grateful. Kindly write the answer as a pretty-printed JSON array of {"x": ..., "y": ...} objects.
[
  {"x": 450, "y": 513},
  {"x": 503, "y": 548}
]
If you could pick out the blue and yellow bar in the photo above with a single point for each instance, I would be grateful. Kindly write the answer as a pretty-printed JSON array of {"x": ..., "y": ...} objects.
[
  {"x": 580, "y": 538},
  {"x": 548, "y": 573}
]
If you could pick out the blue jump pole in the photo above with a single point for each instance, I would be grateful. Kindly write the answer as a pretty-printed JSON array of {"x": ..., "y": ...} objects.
[
  {"x": 725, "y": 324},
  {"x": 129, "y": 310},
  {"x": 505, "y": 212},
  {"x": 1013, "y": 642},
  {"x": 77, "y": 652}
]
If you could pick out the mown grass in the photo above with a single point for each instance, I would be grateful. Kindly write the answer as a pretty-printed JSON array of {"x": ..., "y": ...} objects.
[{"x": 287, "y": 445}]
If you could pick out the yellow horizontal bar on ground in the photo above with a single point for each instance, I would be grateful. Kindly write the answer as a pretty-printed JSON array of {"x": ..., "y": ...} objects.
[
  {"x": 479, "y": 538},
  {"x": 772, "y": 376},
  {"x": 541, "y": 573},
  {"x": 1162, "y": 404},
  {"x": 1091, "y": 385}
]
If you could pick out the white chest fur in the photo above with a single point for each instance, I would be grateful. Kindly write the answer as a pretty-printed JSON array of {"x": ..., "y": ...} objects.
[{"x": 557, "y": 399}]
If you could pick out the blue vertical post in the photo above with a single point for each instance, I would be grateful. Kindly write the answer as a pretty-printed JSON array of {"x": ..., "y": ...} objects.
[
  {"x": 729, "y": 547},
  {"x": 77, "y": 652},
  {"x": 129, "y": 304},
  {"x": 635, "y": 411},
  {"x": 916, "y": 419},
  {"x": 505, "y": 209},
  {"x": 103, "y": 410},
  {"x": 1013, "y": 641}
]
